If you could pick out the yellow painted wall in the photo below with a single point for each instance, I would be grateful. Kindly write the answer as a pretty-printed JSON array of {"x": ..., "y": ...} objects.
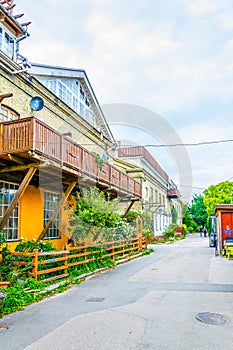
[{"x": 31, "y": 211}]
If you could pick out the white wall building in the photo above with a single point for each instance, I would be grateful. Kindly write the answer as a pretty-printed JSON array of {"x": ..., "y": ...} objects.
[{"x": 160, "y": 196}]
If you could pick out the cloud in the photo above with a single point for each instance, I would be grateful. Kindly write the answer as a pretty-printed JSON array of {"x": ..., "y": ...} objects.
[
  {"x": 200, "y": 7},
  {"x": 173, "y": 57}
]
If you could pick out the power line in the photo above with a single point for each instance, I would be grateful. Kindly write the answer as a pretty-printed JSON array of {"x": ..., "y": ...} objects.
[
  {"x": 199, "y": 188},
  {"x": 191, "y": 144},
  {"x": 151, "y": 145}
]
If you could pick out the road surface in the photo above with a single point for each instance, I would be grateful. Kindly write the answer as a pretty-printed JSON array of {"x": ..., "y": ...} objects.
[{"x": 149, "y": 303}]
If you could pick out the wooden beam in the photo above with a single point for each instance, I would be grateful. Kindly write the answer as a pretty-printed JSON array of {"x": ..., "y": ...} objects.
[
  {"x": 56, "y": 211},
  {"x": 23, "y": 167},
  {"x": 17, "y": 196},
  {"x": 130, "y": 206},
  {"x": 15, "y": 159},
  {"x": 2, "y": 96}
]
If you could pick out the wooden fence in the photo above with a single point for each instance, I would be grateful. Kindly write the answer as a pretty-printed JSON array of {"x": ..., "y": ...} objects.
[{"x": 53, "y": 265}]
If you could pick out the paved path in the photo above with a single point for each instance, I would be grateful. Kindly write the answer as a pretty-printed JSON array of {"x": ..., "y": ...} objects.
[{"x": 148, "y": 303}]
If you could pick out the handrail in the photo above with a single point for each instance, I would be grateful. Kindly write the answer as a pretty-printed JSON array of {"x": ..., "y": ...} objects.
[{"x": 32, "y": 134}]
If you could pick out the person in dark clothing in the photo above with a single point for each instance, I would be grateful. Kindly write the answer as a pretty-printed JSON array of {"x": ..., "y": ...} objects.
[{"x": 201, "y": 231}]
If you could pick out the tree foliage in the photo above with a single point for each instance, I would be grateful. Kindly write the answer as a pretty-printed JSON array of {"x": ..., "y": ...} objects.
[
  {"x": 188, "y": 220},
  {"x": 218, "y": 194},
  {"x": 97, "y": 210},
  {"x": 97, "y": 217},
  {"x": 198, "y": 210}
]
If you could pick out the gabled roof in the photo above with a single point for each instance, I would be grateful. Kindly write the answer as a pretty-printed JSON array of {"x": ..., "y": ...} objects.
[{"x": 43, "y": 70}]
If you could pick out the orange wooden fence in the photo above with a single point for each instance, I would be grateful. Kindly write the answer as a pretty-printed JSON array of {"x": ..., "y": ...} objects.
[{"x": 58, "y": 263}]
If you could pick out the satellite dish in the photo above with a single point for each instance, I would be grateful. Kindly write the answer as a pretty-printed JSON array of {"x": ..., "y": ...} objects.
[{"x": 36, "y": 103}]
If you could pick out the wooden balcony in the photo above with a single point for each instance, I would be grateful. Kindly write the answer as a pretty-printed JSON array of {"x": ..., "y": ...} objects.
[
  {"x": 173, "y": 193},
  {"x": 30, "y": 139}
]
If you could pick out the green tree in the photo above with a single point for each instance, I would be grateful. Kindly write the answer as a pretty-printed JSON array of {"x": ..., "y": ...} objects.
[
  {"x": 94, "y": 215},
  {"x": 188, "y": 220},
  {"x": 218, "y": 194},
  {"x": 198, "y": 211}
]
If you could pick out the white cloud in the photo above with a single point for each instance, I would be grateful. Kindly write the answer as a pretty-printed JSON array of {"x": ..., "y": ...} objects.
[{"x": 200, "y": 7}]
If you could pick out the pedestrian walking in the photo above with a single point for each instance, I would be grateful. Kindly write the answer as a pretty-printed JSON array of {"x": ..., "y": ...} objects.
[
  {"x": 205, "y": 232},
  {"x": 201, "y": 231}
]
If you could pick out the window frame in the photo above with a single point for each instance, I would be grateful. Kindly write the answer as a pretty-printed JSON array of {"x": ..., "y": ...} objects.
[
  {"x": 8, "y": 43},
  {"x": 8, "y": 114},
  {"x": 12, "y": 224},
  {"x": 54, "y": 229}
]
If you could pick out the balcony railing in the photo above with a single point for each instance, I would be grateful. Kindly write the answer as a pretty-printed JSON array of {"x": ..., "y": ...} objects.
[{"x": 30, "y": 134}]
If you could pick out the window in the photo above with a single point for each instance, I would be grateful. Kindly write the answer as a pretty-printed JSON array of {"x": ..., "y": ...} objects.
[
  {"x": 69, "y": 98},
  {"x": 151, "y": 199},
  {"x": 81, "y": 106},
  {"x": 9, "y": 45},
  {"x": 62, "y": 91},
  {"x": 7, "y": 192},
  {"x": 81, "y": 93},
  {"x": 156, "y": 196},
  {"x": 51, "y": 201},
  {"x": 75, "y": 104},
  {"x": 7, "y": 114},
  {"x": 72, "y": 93}
]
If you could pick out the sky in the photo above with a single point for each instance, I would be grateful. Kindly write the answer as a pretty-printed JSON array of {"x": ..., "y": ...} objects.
[{"x": 171, "y": 59}]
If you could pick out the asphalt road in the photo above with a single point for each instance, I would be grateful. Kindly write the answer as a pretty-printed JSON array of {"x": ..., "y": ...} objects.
[{"x": 149, "y": 303}]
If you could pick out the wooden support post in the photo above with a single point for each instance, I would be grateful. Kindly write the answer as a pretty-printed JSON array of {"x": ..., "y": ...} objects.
[
  {"x": 56, "y": 211},
  {"x": 17, "y": 196},
  {"x": 130, "y": 206}
]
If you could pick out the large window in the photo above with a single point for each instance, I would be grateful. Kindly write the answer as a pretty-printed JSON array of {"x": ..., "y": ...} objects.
[
  {"x": 7, "y": 114},
  {"x": 7, "y": 192},
  {"x": 51, "y": 201},
  {"x": 72, "y": 93}
]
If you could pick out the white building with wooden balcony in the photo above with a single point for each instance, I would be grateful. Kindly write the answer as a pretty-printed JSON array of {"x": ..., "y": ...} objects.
[{"x": 160, "y": 195}]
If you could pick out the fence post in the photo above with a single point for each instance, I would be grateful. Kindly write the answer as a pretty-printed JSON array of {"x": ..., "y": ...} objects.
[
  {"x": 66, "y": 259},
  {"x": 35, "y": 263},
  {"x": 139, "y": 232},
  {"x": 112, "y": 251}
]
